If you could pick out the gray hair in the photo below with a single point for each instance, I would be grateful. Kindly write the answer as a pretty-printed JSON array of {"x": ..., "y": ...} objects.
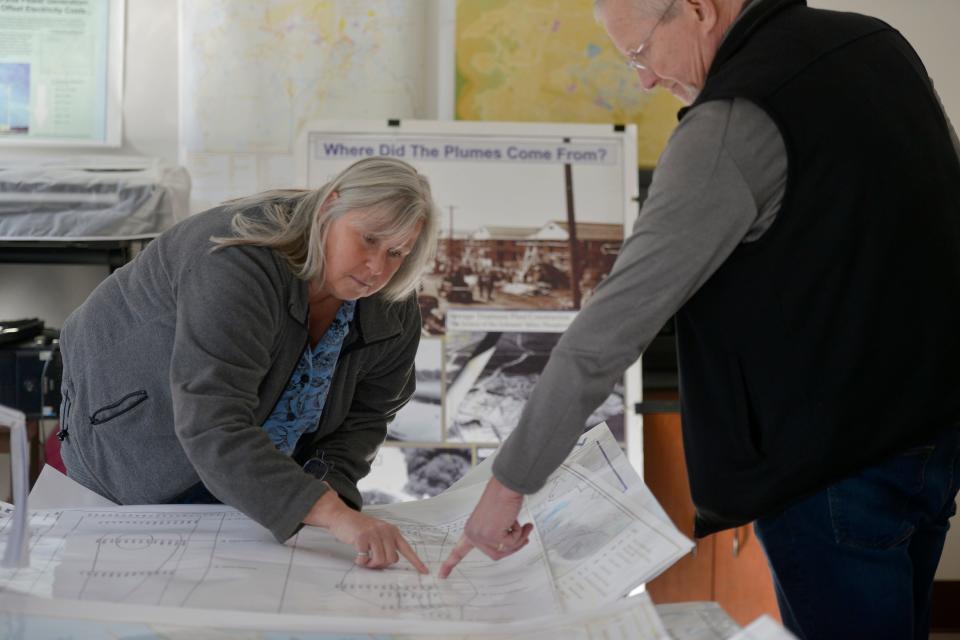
[{"x": 295, "y": 222}]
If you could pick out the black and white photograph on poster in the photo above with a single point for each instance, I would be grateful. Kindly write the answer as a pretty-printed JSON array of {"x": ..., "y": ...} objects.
[
  {"x": 402, "y": 474},
  {"x": 421, "y": 419},
  {"x": 527, "y": 222},
  {"x": 490, "y": 376},
  {"x": 14, "y": 99}
]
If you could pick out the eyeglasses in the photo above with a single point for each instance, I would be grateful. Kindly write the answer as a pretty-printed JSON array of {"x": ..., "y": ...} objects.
[{"x": 636, "y": 59}]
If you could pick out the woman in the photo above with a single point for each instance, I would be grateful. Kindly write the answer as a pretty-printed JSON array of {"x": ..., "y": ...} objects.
[{"x": 253, "y": 355}]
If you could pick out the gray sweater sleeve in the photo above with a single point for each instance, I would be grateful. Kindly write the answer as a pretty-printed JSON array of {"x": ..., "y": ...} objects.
[{"x": 719, "y": 182}]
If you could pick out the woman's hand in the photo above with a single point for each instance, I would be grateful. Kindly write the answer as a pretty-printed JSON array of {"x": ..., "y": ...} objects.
[{"x": 379, "y": 544}]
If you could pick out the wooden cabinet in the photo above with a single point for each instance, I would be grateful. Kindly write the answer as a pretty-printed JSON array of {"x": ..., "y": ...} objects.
[
  {"x": 741, "y": 577},
  {"x": 728, "y": 567}
]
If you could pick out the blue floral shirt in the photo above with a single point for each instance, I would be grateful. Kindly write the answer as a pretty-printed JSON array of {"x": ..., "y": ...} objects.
[{"x": 301, "y": 404}]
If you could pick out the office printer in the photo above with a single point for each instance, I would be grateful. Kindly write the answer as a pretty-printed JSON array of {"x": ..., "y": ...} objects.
[
  {"x": 90, "y": 198},
  {"x": 30, "y": 367}
]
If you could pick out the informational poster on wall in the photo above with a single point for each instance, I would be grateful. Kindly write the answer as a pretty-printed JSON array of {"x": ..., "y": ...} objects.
[
  {"x": 532, "y": 219},
  {"x": 61, "y": 74}
]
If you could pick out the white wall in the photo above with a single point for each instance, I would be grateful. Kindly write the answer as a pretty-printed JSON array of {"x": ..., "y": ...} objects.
[
  {"x": 150, "y": 128},
  {"x": 930, "y": 26}
]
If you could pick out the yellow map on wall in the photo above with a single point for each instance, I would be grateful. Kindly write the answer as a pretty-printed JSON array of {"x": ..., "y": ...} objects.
[{"x": 549, "y": 61}]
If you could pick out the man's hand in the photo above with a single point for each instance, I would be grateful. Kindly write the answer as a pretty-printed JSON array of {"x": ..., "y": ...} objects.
[
  {"x": 493, "y": 527},
  {"x": 378, "y": 543}
]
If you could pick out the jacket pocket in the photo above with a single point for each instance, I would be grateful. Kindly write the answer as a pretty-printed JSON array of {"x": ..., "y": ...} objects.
[
  {"x": 64, "y": 406},
  {"x": 747, "y": 433},
  {"x": 118, "y": 408}
]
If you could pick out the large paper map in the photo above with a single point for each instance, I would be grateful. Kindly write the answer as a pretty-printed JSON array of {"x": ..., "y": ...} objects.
[
  {"x": 209, "y": 572},
  {"x": 254, "y": 73}
]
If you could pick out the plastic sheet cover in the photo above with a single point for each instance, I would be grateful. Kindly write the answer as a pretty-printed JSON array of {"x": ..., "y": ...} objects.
[{"x": 90, "y": 198}]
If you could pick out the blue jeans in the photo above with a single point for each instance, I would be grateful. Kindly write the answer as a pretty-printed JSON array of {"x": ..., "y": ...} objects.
[{"x": 857, "y": 560}]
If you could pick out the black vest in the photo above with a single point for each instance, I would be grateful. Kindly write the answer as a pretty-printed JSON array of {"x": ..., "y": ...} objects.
[{"x": 833, "y": 341}]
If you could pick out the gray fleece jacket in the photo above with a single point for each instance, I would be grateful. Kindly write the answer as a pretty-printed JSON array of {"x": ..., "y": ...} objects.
[{"x": 175, "y": 361}]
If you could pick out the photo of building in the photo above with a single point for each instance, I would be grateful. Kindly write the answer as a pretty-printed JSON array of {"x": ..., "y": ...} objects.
[{"x": 518, "y": 267}]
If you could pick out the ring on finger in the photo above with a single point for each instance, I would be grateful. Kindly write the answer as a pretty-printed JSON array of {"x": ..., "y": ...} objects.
[
  {"x": 363, "y": 554},
  {"x": 500, "y": 547}
]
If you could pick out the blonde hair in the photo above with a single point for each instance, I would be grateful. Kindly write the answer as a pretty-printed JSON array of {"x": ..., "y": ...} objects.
[{"x": 295, "y": 222}]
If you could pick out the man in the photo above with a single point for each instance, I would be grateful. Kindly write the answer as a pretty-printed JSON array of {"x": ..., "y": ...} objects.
[{"x": 804, "y": 226}]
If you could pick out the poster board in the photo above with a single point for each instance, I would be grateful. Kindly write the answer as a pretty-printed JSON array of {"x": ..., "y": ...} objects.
[
  {"x": 61, "y": 72},
  {"x": 504, "y": 284}
]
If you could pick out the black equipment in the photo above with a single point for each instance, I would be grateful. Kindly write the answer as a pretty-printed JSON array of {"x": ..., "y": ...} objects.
[{"x": 30, "y": 368}]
